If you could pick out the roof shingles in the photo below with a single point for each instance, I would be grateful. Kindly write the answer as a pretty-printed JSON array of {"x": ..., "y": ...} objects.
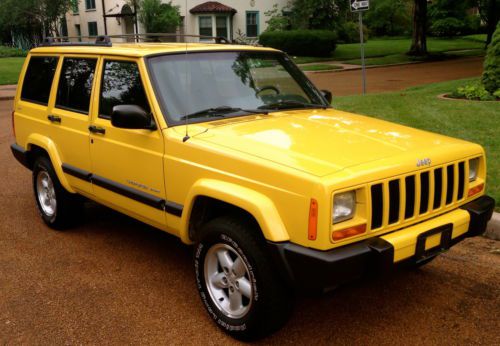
[{"x": 212, "y": 7}]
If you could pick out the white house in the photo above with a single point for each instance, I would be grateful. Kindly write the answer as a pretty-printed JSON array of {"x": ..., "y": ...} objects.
[{"x": 228, "y": 18}]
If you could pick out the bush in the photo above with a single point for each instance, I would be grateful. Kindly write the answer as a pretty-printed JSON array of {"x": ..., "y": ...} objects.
[
  {"x": 447, "y": 27},
  {"x": 475, "y": 91},
  {"x": 491, "y": 74},
  {"x": 318, "y": 43},
  {"x": 6, "y": 52},
  {"x": 349, "y": 33}
]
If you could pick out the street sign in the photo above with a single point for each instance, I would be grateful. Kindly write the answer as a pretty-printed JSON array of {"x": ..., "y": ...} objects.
[{"x": 360, "y": 5}]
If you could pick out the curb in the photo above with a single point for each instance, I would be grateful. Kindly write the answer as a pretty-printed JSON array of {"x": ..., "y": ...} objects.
[
  {"x": 6, "y": 98},
  {"x": 493, "y": 228}
]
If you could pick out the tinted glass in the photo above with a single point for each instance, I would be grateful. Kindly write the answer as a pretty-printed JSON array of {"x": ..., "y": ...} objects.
[
  {"x": 38, "y": 79},
  {"x": 75, "y": 84},
  {"x": 121, "y": 85}
]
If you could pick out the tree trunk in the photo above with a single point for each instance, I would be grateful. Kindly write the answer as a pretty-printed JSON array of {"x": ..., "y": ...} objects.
[
  {"x": 419, "y": 38},
  {"x": 492, "y": 17}
]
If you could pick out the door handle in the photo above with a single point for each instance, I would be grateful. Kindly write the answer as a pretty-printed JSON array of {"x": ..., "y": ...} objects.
[
  {"x": 96, "y": 129},
  {"x": 54, "y": 119}
]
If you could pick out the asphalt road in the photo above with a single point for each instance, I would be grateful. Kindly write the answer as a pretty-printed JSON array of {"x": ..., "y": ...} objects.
[
  {"x": 392, "y": 78},
  {"x": 114, "y": 280}
]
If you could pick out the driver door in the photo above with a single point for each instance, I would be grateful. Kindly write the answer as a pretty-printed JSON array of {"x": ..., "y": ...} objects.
[{"x": 127, "y": 165}]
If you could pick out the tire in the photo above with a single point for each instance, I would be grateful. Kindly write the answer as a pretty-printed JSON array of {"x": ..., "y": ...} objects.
[
  {"x": 58, "y": 208},
  {"x": 265, "y": 302}
]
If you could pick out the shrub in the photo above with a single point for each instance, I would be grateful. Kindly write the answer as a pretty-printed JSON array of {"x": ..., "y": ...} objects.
[
  {"x": 491, "y": 74},
  {"x": 475, "y": 91},
  {"x": 447, "y": 27},
  {"x": 349, "y": 33},
  {"x": 11, "y": 52},
  {"x": 319, "y": 43}
]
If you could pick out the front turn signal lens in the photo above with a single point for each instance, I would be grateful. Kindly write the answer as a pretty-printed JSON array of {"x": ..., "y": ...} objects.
[
  {"x": 475, "y": 190},
  {"x": 348, "y": 232},
  {"x": 313, "y": 220}
]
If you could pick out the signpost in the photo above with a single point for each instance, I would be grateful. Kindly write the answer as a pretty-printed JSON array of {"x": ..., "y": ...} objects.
[{"x": 361, "y": 6}]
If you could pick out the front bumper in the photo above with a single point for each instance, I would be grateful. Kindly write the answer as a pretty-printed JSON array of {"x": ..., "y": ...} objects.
[{"x": 309, "y": 269}]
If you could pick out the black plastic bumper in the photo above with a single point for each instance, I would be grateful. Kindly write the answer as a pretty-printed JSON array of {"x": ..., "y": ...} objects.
[
  {"x": 308, "y": 269},
  {"x": 20, "y": 154}
]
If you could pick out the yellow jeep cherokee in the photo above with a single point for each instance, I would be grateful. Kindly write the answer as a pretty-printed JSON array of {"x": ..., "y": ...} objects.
[{"x": 232, "y": 149}]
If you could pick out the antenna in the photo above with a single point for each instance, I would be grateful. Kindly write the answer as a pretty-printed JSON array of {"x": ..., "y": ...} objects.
[{"x": 186, "y": 137}]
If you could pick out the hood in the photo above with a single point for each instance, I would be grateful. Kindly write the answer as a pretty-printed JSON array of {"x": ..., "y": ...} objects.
[{"x": 320, "y": 142}]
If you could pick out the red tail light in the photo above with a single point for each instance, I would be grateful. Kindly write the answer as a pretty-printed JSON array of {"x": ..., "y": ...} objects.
[{"x": 13, "y": 125}]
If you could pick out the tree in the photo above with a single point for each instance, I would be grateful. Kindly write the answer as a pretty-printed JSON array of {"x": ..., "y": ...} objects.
[
  {"x": 158, "y": 17},
  {"x": 419, "y": 36},
  {"x": 317, "y": 14},
  {"x": 389, "y": 17},
  {"x": 489, "y": 10},
  {"x": 491, "y": 74}
]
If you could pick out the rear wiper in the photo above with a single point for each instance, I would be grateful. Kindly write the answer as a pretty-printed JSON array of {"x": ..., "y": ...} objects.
[
  {"x": 220, "y": 112},
  {"x": 291, "y": 104}
]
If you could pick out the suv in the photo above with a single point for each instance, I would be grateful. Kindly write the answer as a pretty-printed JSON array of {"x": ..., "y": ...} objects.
[{"x": 231, "y": 148}]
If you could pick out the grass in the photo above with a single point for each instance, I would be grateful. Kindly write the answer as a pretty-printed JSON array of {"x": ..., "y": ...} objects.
[
  {"x": 9, "y": 70},
  {"x": 320, "y": 67},
  {"x": 7, "y": 52},
  {"x": 394, "y": 50},
  {"x": 420, "y": 108}
]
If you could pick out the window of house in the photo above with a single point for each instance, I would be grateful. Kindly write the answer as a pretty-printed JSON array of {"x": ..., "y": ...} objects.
[
  {"x": 252, "y": 24},
  {"x": 78, "y": 32},
  {"x": 75, "y": 84},
  {"x": 221, "y": 25},
  {"x": 64, "y": 27},
  {"x": 92, "y": 28},
  {"x": 121, "y": 85},
  {"x": 90, "y": 4},
  {"x": 205, "y": 26},
  {"x": 38, "y": 79},
  {"x": 74, "y": 6}
]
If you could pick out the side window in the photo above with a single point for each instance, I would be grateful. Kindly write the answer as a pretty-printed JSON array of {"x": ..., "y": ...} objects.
[
  {"x": 38, "y": 79},
  {"x": 75, "y": 84},
  {"x": 121, "y": 85}
]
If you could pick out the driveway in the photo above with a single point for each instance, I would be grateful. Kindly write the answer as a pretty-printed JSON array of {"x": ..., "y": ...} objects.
[
  {"x": 113, "y": 280},
  {"x": 394, "y": 78}
]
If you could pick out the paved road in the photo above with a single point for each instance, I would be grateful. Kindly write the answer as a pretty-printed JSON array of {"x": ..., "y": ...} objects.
[
  {"x": 395, "y": 78},
  {"x": 116, "y": 281}
]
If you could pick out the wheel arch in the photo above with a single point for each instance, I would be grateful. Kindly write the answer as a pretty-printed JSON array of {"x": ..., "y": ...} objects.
[{"x": 211, "y": 198}]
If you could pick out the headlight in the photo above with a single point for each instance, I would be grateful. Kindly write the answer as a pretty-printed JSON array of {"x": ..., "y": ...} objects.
[
  {"x": 473, "y": 167},
  {"x": 344, "y": 206}
]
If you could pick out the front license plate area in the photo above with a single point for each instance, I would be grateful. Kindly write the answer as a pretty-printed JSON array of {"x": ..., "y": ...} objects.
[{"x": 421, "y": 254}]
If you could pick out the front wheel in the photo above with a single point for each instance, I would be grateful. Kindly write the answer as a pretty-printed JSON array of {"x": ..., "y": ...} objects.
[{"x": 236, "y": 281}]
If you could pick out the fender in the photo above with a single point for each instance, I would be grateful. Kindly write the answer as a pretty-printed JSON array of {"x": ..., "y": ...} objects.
[
  {"x": 51, "y": 148},
  {"x": 257, "y": 204}
]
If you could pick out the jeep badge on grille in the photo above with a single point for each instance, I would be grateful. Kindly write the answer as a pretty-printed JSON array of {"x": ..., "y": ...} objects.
[{"x": 423, "y": 162}]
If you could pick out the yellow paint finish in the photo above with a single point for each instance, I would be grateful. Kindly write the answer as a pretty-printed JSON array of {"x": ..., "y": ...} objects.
[{"x": 405, "y": 240}]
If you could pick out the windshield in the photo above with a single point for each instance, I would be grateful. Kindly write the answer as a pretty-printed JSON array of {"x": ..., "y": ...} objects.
[{"x": 197, "y": 87}]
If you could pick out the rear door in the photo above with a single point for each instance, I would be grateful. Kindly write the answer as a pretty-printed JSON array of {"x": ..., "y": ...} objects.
[
  {"x": 127, "y": 165},
  {"x": 69, "y": 116}
]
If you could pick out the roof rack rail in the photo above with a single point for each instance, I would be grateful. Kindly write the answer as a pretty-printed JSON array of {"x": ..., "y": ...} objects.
[{"x": 105, "y": 40}]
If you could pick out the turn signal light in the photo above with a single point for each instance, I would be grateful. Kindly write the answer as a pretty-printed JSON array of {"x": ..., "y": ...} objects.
[
  {"x": 475, "y": 190},
  {"x": 13, "y": 125},
  {"x": 313, "y": 220},
  {"x": 348, "y": 232}
]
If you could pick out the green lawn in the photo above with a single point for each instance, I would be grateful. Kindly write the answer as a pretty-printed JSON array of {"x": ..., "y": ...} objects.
[
  {"x": 320, "y": 67},
  {"x": 9, "y": 70},
  {"x": 395, "y": 49},
  {"x": 419, "y": 107}
]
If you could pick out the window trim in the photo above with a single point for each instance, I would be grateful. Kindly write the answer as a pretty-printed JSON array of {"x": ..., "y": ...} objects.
[
  {"x": 211, "y": 26},
  {"x": 90, "y": 8},
  {"x": 70, "y": 109},
  {"x": 257, "y": 19},
  {"x": 58, "y": 60}
]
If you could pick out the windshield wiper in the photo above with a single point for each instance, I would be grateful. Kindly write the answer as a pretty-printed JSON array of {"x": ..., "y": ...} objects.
[
  {"x": 220, "y": 112},
  {"x": 287, "y": 104}
]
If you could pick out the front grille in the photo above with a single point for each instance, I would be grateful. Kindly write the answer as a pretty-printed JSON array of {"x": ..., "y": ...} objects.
[{"x": 408, "y": 197}]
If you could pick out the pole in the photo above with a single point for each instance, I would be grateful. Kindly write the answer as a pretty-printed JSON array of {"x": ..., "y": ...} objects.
[
  {"x": 104, "y": 18},
  {"x": 361, "y": 40}
]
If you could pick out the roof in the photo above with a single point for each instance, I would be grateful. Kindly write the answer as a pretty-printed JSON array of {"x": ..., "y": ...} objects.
[
  {"x": 143, "y": 49},
  {"x": 212, "y": 7}
]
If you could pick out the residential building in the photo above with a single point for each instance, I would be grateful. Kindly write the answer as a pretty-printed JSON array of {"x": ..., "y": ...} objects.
[{"x": 229, "y": 18}]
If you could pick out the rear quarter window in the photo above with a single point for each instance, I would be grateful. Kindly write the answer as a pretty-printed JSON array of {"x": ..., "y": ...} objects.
[{"x": 38, "y": 79}]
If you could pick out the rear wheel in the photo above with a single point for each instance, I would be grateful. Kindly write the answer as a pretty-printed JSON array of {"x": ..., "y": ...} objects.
[
  {"x": 236, "y": 281},
  {"x": 59, "y": 208}
]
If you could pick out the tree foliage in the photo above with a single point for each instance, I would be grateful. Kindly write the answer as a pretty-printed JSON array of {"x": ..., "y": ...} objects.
[
  {"x": 389, "y": 17},
  {"x": 491, "y": 74},
  {"x": 158, "y": 17}
]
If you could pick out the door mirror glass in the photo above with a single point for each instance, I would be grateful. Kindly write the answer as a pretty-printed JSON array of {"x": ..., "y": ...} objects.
[
  {"x": 327, "y": 95},
  {"x": 132, "y": 117}
]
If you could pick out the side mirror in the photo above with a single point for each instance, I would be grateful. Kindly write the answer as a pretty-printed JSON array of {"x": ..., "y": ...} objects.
[
  {"x": 132, "y": 117},
  {"x": 327, "y": 95}
]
